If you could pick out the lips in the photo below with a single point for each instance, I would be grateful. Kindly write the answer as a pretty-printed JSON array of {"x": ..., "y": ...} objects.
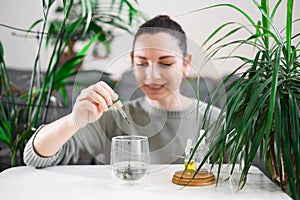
[{"x": 155, "y": 87}]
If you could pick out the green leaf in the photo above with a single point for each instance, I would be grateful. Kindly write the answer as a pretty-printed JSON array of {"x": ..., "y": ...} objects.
[
  {"x": 3, "y": 137},
  {"x": 275, "y": 9},
  {"x": 265, "y": 19},
  {"x": 253, "y": 151},
  {"x": 68, "y": 8},
  {"x": 225, "y": 36},
  {"x": 286, "y": 147},
  {"x": 216, "y": 31},
  {"x": 278, "y": 127},
  {"x": 243, "y": 13},
  {"x": 273, "y": 94},
  {"x": 67, "y": 68},
  {"x": 267, "y": 22},
  {"x": 72, "y": 28},
  {"x": 65, "y": 6},
  {"x": 295, "y": 130},
  {"x": 288, "y": 33},
  {"x": 263, "y": 103},
  {"x": 1, "y": 52},
  {"x": 266, "y": 34},
  {"x": 86, "y": 14},
  {"x": 64, "y": 94},
  {"x": 34, "y": 24},
  {"x": 84, "y": 50}
]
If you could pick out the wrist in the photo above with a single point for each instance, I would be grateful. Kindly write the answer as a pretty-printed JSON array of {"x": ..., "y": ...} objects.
[{"x": 71, "y": 123}]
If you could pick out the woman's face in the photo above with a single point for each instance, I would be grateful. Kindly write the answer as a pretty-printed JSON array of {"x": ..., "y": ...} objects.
[{"x": 159, "y": 65}]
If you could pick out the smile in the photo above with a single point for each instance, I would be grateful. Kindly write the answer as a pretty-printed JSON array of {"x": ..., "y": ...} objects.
[{"x": 155, "y": 86}]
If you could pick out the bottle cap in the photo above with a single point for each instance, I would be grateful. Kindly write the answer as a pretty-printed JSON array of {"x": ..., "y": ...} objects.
[
  {"x": 189, "y": 147},
  {"x": 189, "y": 143}
]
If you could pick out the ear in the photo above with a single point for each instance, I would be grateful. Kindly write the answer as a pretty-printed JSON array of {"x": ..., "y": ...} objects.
[
  {"x": 131, "y": 58},
  {"x": 187, "y": 64},
  {"x": 131, "y": 55}
]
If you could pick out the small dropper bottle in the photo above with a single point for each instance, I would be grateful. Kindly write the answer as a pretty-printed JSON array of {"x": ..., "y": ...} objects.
[
  {"x": 118, "y": 105},
  {"x": 189, "y": 163}
]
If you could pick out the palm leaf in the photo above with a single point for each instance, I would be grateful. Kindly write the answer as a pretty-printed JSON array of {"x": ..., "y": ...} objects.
[
  {"x": 262, "y": 109},
  {"x": 273, "y": 95}
]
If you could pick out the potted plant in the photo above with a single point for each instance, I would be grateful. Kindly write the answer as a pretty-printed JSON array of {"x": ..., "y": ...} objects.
[
  {"x": 261, "y": 113},
  {"x": 19, "y": 122},
  {"x": 104, "y": 18}
]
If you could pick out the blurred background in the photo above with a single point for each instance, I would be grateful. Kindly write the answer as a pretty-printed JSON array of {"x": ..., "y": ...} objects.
[{"x": 20, "y": 51}]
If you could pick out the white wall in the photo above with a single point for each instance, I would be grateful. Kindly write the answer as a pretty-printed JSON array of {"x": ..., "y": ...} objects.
[{"x": 20, "y": 52}]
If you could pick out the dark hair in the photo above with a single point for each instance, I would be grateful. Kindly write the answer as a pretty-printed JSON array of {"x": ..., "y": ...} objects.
[{"x": 163, "y": 23}]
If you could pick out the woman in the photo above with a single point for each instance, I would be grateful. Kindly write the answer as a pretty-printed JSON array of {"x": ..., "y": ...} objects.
[{"x": 164, "y": 115}]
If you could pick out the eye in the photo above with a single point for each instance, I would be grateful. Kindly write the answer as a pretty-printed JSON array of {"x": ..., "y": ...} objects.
[
  {"x": 142, "y": 64},
  {"x": 165, "y": 64}
]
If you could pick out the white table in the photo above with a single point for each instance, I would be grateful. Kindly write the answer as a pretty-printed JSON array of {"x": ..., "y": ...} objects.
[{"x": 96, "y": 182}]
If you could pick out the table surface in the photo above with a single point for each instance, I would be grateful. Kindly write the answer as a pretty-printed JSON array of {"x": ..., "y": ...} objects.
[{"x": 96, "y": 182}]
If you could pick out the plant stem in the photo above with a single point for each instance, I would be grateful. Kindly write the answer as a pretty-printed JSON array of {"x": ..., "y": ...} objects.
[
  {"x": 289, "y": 19},
  {"x": 62, "y": 35},
  {"x": 284, "y": 177},
  {"x": 29, "y": 101},
  {"x": 266, "y": 23},
  {"x": 273, "y": 158}
]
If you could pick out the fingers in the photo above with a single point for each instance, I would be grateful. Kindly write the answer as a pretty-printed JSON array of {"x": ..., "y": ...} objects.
[
  {"x": 99, "y": 94},
  {"x": 85, "y": 112},
  {"x": 104, "y": 91},
  {"x": 87, "y": 105},
  {"x": 99, "y": 101},
  {"x": 108, "y": 88}
]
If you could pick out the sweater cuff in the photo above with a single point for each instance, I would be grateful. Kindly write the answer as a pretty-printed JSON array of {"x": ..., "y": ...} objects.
[{"x": 32, "y": 158}]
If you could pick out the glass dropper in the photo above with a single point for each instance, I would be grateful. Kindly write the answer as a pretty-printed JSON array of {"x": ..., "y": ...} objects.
[{"x": 118, "y": 105}]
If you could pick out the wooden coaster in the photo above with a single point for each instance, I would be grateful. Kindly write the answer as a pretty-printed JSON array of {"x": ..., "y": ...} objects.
[{"x": 186, "y": 179}]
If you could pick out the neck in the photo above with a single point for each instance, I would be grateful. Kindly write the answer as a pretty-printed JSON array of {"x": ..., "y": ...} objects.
[{"x": 173, "y": 102}]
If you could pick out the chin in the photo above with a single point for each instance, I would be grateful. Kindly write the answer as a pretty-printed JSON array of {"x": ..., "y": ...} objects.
[
  {"x": 155, "y": 97},
  {"x": 151, "y": 95}
]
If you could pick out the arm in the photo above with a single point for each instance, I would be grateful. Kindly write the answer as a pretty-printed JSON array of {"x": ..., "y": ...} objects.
[
  {"x": 89, "y": 107},
  {"x": 54, "y": 135}
]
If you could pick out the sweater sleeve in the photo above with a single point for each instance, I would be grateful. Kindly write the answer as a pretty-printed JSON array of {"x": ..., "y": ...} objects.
[
  {"x": 32, "y": 158},
  {"x": 89, "y": 144},
  {"x": 81, "y": 147}
]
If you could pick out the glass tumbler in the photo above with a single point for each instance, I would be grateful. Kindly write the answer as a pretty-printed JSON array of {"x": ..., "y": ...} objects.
[{"x": 129, "y": 158}]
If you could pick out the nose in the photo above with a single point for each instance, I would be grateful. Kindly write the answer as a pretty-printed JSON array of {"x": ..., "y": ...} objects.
[{"x": 153, "y": 71}]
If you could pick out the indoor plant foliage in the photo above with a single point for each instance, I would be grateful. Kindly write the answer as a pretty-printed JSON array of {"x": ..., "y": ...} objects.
[
  {"x": 104, "y": 17},
  {"x": 17, "y": 122},
  {"x": 262, "y": 110}
]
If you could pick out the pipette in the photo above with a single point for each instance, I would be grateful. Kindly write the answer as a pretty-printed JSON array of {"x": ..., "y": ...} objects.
[{"x": 118, "y": 105}]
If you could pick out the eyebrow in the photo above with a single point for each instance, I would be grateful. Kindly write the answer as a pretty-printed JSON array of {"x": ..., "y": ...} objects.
[
  {"x": 160, "y": 58},
  {"x": 164, "y": 57}
]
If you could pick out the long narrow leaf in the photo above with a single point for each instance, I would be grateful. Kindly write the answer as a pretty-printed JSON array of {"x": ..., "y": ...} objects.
[
  {"x": 289, "y": 18},
  {"x": 67, "y": 68},
  {"x": 216, "y": 31},
  {"x": 275, "y": 9},
  {"x": 270, "y": 22},
  {"x": 273, "y": 94},
  {"x": 294, "y": 129},
  {"x": 286, "y": 152},
  {"x": 224, "y": 5}
]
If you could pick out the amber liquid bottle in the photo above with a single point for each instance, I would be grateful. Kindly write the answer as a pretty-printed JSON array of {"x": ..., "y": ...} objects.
[{"x": 189, "y": 163}]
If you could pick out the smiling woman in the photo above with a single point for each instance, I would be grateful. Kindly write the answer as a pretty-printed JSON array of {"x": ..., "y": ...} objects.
[
  {"x": 158, "y": 69},
  {"x": 160, "y": 60},
  {"x": 164, "y": 115}
]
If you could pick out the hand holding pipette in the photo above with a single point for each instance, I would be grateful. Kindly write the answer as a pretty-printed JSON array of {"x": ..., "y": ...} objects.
[{"x": 92, "y": 102}]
